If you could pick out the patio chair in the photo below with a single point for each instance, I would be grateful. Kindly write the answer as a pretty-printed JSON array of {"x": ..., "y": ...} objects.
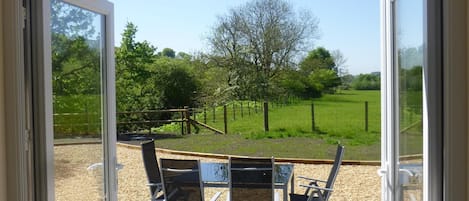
[
  {"x": 151, "y": 167},
  {"x": 251, "y": 179},
  {"x": 182, "y": 180},
  {"x": 314, "y": 191}
]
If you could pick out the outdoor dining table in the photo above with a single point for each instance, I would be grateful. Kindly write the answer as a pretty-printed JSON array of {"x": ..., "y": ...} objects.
[{"x": 216, "y": 175}]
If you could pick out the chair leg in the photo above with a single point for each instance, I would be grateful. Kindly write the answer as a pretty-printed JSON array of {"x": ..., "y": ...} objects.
[
  {"x": 215, "y": 197},
  {"x": 276, "y": 196}
]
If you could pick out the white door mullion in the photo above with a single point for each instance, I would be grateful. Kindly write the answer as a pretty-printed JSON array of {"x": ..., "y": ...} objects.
[{"x": 388, "y": 88}]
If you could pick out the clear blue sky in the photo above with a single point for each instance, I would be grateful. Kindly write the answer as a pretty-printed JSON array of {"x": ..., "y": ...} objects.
[{"x": 353, "y": 27}]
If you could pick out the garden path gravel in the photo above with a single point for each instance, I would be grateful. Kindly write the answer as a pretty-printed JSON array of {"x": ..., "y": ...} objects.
[{"x": 74, "y": 182}]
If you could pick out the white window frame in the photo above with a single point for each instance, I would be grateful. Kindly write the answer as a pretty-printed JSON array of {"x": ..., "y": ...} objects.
[{"x": 432, "y": 102}]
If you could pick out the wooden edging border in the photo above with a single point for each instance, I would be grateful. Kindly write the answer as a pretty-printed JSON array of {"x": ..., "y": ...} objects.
[
  {"x": 284, "y": 160},
  {"x": 74, "y": 143}
]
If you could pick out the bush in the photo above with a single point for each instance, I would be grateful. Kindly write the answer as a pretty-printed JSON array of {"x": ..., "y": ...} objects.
[{"x": 367, "y": 82}]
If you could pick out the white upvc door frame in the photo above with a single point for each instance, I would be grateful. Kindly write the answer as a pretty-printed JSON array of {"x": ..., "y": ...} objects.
[
  {"x": 106, "y": 9},
  {"x": 42, "y": 79},
  {"x": 432, "y": 102},
  {"x": 433, "y": 99},
  {"x": 41, "y": 75},
  {"x": 29, "y": 147},
  {"x": 17, "y": 139},
  {"x": 388, "y": 126}
]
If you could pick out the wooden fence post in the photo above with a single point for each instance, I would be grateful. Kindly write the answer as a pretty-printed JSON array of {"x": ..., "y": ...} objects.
[
  {"x": 249, "y": 109},
  {"x": 214, "y": 115},
  {"x": 188, "y": 119},
  {"x": 242, "y": 110},
  {"x": 234, "y": 112},
  {"x": 225, "y": 119},
  {"x": 193, "y": 113},
  {"x": 182, "y": 123},
  {"x": 87, "y": 120},
  {"x": 313, "y": 124},
  {"x": 366, "y": 116},
  {"x": 255, "y": 106},
  {"x": 266, "y": 116},
  {"x": 205, "y": 115}
]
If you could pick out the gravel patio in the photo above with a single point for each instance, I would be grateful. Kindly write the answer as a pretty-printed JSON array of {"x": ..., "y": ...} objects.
[{"x": 74, "y": 182}]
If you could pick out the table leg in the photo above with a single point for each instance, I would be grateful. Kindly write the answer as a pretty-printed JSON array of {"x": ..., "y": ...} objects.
[
  {"x": 292, "y": 182},
  {"x": 285, "y": 193}
]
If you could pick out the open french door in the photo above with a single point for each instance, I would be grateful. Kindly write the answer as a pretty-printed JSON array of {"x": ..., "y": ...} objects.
[
  {"x": 73, "y": 42},
  {"x": 411, "y": 100},
  {"x": 89, "y": 25}
]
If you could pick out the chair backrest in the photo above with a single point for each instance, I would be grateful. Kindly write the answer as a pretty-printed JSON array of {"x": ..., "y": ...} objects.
[
  {"x": 151, "y": 165},
  {"x": 251, "y": 179},
  {"x": 335, "y": 170},
  {"x": 181, "y": 180}
]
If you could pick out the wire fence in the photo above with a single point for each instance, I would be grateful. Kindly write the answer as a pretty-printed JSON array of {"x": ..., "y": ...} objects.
[{"x": 240, "y": 117}]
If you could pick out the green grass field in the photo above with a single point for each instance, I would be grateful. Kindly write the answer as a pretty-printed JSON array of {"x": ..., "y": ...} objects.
[{"x": 339, "y": 118}]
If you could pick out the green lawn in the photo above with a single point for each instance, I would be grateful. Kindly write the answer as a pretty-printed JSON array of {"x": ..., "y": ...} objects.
[
  {"x": 338, "y": 118},
  {"x": 293, "y": 147}
]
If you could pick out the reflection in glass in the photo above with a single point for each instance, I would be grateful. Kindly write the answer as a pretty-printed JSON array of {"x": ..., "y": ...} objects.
[
  {"x": 409, "y": 42},
  {"x": 77, "y": 95}
]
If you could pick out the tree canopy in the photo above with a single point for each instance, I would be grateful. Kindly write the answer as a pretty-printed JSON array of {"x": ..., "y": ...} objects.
[
  {"x": 168, "y": 52},
  {"x": 258, "y": 39},
  {"x": 319, "y": 65},
  {"x": 319, "y": 58}
]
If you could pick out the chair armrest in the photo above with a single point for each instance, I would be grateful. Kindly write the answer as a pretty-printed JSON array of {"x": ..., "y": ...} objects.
[
  {"x": 179, "y": 170},
  {"x": 155, "y": 184},
  {"x": 317, "y": 187},
  {"x": 311, "y": 179},
  {"x": 215, "y": 197}
]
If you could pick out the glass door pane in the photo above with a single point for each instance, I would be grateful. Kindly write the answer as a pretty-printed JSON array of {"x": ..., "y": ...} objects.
[
  {"x": 79, "y": 101},
  {"x": 408, "y": 66}
]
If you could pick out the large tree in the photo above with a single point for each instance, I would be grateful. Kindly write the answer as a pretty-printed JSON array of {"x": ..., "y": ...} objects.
[
  {"x": 258, "y": 39},
  {"x": 133, "y": 59},
  {"x": 319, "y": 58},
  {"x": 322, "y": 70}
]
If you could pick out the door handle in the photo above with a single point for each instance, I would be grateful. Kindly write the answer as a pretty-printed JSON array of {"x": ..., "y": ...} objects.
[
  {"x": 410, "y": 173},
  {"x": 382, "y": 172},
  {"x": 96, "y": 165}
]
